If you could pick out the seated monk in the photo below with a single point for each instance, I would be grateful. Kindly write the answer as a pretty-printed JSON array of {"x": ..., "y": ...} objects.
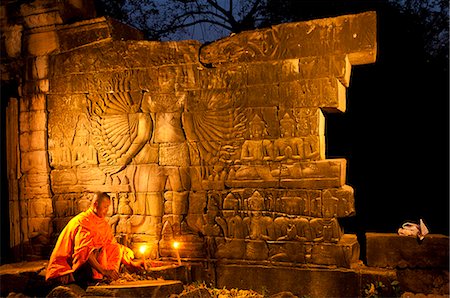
[{"x": 86, "y": 249}]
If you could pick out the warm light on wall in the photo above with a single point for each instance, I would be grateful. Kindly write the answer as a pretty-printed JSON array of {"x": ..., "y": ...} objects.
[
  {"x": 142, "y": 250},
  {"x": 176, "y": 245}
]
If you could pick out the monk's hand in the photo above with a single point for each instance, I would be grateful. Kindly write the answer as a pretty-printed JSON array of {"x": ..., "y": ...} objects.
[
  {"x": 65, "y": 279},
  {"x": 111, "y": 274},
  {"x": 139, "y": 264}
]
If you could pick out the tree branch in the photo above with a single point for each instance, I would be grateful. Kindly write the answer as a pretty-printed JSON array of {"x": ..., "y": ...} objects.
[{"x": 185, "y": 25}]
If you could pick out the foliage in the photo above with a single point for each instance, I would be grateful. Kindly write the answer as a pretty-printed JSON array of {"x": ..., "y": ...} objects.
[
  {"x": 177, "y": 18},
  {"x": 433, "y": 15},
  {"x": 374, "y": 290},
  {"x": 207, "y": 20},
  {"x": 378, "y": 289}
]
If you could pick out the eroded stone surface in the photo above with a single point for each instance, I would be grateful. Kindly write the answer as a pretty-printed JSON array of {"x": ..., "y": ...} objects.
[
  {"x": 392, "y": 250},
  {"x": 220, "y": 147}
]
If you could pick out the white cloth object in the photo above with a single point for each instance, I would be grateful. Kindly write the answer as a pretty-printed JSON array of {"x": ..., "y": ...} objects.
[{"x": 413, "y": 229}]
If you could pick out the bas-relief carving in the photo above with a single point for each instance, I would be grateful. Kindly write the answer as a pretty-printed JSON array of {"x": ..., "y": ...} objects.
[{"x": 234, "y": 153}]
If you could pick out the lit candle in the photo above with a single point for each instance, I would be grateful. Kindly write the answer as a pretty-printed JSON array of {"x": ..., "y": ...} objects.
[
  {"x": 176, "y": 246},
  {"x": 142, "y": 250}
]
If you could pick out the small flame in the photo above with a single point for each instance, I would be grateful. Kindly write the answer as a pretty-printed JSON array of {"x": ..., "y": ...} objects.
[
  {"x": 142, "y": 249},
  {"x": 176, "y": 244}
]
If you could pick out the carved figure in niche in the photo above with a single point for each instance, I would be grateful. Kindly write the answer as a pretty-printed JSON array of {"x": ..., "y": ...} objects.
[
  {"x": 291, "y": 250},
  {"x": 327, "y": 230},
  {"x": 235, "y": 225},
  {"x": 39, "y": 223},
  {"x": 63, "y": 205},
  {"x": 316, "y": 206},
  {"x": 233, "y": 246},
  {"x": 311, "y": 148},
  {"x": 260, "y": 229},
  {"x": 345, "y": 206},
  {"x": 119, "y": 222},
  {"x": 59, "y": 148},
  {"x": 294, "y": 205},
  {"x": 153, "y": 132},
  {"x": 303, "y": 228},
  {"x": 255, "y": 152},
  {"x": 288, "y": 148},
  {"x": 84, "y": 154},
  {"x": 281, "y": 226},
  {"x": 62, "y": 155},
  {"x": 330, "y": 204},
  {"x": 309, "y": 133},
  {"x": 211, "y": 228}
]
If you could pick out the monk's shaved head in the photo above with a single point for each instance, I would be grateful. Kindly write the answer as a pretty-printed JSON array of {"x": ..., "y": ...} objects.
[{"x": 100, "y": 197}]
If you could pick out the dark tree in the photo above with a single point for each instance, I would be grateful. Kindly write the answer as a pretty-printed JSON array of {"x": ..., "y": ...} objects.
[{"x": 175, "y": 19}]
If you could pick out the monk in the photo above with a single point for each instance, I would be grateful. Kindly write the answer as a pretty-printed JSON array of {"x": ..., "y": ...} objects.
[{"x": 86, "y": 249}]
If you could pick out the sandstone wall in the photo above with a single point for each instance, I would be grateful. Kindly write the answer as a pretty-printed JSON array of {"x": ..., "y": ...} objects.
[{"x": 219, "y": 146}]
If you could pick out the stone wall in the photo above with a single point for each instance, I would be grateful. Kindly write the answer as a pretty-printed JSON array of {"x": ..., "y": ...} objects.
[{"x": 218, "y": 146}]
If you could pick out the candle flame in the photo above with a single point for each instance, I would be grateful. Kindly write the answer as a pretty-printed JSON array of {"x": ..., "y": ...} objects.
[
  {"x": 176, "y": 244},
  {"x": 142, "y": 249}
]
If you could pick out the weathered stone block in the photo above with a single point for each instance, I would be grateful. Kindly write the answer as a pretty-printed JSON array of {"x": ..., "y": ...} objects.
[
  {"x": 35, "y": 18},
  {"x": 345, "y": 201},
  {"x": 287, "y": 251},
  {"x": 392, "y": 250},
  {"x": 140, "y": 288},
  {"x": 40, "y": 207},
  {"x": 34, "y": 161},
  {"x": 141, "y": 54},
  {"x": 263, "y": 73},
  {"x": 300, "y": 281},
  {"x": 229, "y": 77},
  {"x": 35, "y": 120},
  {"x": 38, "y": 140},
  {"x": 434, "y": 280},
  {"x": 24, "y": 141},
  {"x": 95, "y": 30},
  {"x": 342, "y": 254},
  {"x": 40, "y": 67},
  {"x": 13, "y": 40},
  {"x": 63, "y": 178},
  {"x": 354, "y": 35},
  {"x": 42, "y": 43},
  {"x": 33, "y": 192},
  {"x": 24, "y": 120},
  {"x": 38, "y": 102}
]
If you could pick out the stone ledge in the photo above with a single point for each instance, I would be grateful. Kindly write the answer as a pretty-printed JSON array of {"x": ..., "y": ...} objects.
[
  {"x": 390, "y": 250},
  {"x": 95, "y": 30}
]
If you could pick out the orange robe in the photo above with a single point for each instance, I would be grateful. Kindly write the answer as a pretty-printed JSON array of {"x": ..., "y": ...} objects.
[{"x": 84, "y": 234}]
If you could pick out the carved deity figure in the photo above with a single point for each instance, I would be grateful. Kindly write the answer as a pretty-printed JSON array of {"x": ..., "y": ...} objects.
[
  {"x": 330, "y": 204},
  {"x": 327, "y": 230},
  {"x": 235, "y": 226},
  {"x": 83, "y": 153},
  {"x": 288, "y": 148},
  {"x": 146, "y": 135},
  {"x": 259, "y": 227},
  {"x": 211, "y": 228},
  {"x": 255, "y": 153},
  {"x": 61, "y": 154}
]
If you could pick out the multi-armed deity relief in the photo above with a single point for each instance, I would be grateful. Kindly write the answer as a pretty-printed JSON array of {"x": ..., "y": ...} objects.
[{"x": 221, "y": 147}]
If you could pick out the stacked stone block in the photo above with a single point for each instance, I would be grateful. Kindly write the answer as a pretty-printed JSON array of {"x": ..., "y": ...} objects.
[{"x": 175, "y": 128}]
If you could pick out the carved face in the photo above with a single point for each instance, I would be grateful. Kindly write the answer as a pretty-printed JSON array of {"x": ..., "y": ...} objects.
[
  {"x": 287, "y": 130},
  {"x": 257, "y": 131}
]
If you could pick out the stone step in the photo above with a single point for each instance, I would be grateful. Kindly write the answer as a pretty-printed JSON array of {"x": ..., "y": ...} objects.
[{"x": 140, "y": 288}]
